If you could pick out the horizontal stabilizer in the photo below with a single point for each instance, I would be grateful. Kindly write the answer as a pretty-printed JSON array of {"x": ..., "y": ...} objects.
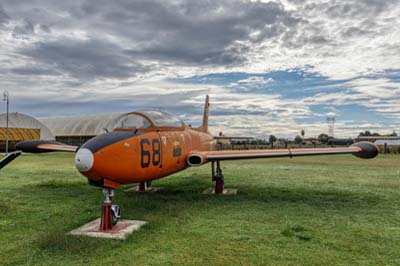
[{"x": 9, "y": 158}]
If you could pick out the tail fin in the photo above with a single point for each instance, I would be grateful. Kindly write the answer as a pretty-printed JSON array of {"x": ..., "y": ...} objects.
[{"x": 204, "y": 126}]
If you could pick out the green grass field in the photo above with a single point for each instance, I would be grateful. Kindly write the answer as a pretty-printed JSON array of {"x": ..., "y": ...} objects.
[{"x": 335, "y": 210}]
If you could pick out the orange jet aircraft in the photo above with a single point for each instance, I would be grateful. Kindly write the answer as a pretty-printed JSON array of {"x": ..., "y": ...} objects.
[{"x": 149, "y": 145}]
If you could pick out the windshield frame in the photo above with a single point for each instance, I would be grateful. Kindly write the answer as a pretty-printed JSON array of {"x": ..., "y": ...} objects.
[
  {"x": 163, "y": 118},
  {"x": 153, "y": 127}
]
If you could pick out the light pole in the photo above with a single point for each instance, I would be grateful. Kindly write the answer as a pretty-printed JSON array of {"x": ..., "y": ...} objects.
[{"x": 7, "y": 100}]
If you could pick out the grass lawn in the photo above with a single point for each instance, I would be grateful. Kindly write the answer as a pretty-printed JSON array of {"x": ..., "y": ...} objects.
[{"x": 334, "y": 210}]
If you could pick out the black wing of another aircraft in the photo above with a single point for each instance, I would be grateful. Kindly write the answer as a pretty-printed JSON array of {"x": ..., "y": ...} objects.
[{"x": 9, "y": 158}]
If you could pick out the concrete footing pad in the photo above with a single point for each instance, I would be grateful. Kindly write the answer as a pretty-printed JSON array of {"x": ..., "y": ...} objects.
[
  {"x": 227, "y": 191},
  {"x": 120, "y": 231},
  {"x": 148, "y": 190}
]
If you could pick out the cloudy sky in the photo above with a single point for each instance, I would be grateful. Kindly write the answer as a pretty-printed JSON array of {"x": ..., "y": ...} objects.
[{"x": 269, "y": 66}]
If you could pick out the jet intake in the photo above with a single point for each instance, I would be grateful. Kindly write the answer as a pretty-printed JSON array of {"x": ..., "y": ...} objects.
[{"x": 196, "y": 160}]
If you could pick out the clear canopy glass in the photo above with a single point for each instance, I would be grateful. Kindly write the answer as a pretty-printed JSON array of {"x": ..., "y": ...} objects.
[
  {"x": 158, "y": 118},
  {"x": 162, "y": 119},
  {"x": 133, "y": 121}
]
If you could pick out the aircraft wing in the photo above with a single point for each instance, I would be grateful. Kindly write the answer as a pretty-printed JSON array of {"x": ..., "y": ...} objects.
[
  {"x": 40, "y": 146},
  {"x": 9, "y": 158},
  {"x": 36, "y": 146},
  {"x": 364, "y": 150}
]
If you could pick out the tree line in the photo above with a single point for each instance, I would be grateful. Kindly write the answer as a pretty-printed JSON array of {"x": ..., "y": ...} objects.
[{"x": 299, "y": 139}]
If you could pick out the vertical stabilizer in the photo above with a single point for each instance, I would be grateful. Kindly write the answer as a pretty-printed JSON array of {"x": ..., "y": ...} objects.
[{"x": 204, "y": 126}]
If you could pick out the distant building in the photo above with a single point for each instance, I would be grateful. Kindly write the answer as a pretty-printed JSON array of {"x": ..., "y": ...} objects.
[
  {"x": 340, "y": 142},
  {"x": 375, "y": 138},
  {"x": 21, "y": 127},
  {"x": 310, "y": 141},
  {"x": 389, "y": 142},
  {"x": 76, "y": 130}
]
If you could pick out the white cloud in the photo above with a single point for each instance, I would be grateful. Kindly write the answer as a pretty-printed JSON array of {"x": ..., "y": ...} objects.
[
  {"x": 340, "y": 39},
  {"x": 94, "y": 54},
  {"x": 256, "y": 80},
  {"x": 377, "y": 94}
]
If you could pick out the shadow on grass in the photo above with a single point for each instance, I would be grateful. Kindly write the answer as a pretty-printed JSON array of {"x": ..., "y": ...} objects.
[
  {"x": 57, "y": 184},
  {"x": 184, "y": 190},
  {"x": 176, "y": 197},
  {"x": 172, "y": 203},
  {"x": 313, "y": 197},
  {"x": 58, "y": 241},
  {"x": 298, "y": 232},
  {"x": 4, "y": 208},
  {"x": 58, "y": 188},
  {"x": 324, "y": 198}
]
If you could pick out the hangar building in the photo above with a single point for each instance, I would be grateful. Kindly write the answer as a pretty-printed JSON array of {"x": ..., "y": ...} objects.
[
  {"x": 71, "y": 130},
  {"x": 21, "y": 127},
  {"x": 76, "y": 130}
]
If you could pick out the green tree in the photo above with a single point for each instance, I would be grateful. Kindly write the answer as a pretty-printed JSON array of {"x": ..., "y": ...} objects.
[
  {"x": 282, "y": 140},
  {"x": 302, "y": 133},
  {"x": 323, "y": 138},
  {"x": 298, "y": 139},
  {"x": 272, "y": 140},
  {"x": 366, "y": 133}
]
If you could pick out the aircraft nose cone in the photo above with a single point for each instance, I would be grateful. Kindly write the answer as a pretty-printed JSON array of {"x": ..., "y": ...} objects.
[{"x": 84, "y": 160}]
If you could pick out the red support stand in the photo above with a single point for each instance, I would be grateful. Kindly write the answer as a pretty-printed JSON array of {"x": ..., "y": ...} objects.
[
  {"x": 106, "y": 224},
  {"x": 106, "y": 209},
  {"x": 142, "y": 186},
  {"x": 218, "y": 178},
  {"x": 219, "y": 185}
]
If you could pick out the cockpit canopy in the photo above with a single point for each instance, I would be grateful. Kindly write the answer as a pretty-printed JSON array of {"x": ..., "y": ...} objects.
[{"x": 148, "y": 119}]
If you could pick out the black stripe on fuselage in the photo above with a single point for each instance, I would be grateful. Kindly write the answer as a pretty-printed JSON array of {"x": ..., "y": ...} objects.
[{"x": 97, "y": 143}]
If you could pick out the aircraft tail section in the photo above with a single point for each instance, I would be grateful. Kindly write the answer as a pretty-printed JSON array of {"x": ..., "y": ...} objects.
[{"x": 204, "y": 125}]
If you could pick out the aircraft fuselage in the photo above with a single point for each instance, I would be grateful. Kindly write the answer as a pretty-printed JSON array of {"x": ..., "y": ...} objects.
[{"x": 132, "y": 156}]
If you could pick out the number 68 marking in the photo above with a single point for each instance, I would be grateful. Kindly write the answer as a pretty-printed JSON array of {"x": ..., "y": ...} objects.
[{"x": 146, "y": 156}]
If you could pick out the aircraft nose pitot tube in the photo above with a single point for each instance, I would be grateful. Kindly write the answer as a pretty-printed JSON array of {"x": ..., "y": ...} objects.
[
  {"x": 84, "y": 160},
  {"x": 368, "y": 150}
]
